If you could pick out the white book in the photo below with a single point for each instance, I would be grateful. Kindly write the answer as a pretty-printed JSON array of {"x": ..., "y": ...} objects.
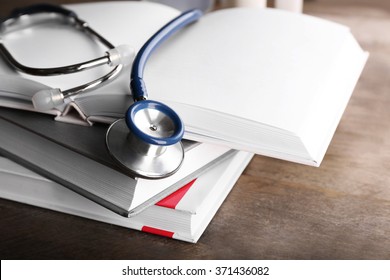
[
  {"x": 273, "y": 82},
  {"x": 267, "y": 81},
  {"x": 183, "y": 215},
  {"x": 76, "y": 157}
]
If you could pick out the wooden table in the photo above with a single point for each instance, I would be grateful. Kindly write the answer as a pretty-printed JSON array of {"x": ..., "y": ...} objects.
[{"x": 277, "y": 210}]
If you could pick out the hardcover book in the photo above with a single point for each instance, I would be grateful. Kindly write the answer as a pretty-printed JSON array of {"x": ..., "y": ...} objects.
[
  {"x": 76, "y": 157},
  {"x": 182, "y": 215}
]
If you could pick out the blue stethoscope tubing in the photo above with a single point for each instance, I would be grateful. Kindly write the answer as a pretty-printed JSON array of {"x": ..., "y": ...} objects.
[
  {"x": 143, "y": 153},
  {"x": 137, "y": 84}
]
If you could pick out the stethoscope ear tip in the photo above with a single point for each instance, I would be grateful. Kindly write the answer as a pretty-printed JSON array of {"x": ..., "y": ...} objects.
[
  {"x": 123, "y": 54},
  {"x": 47, "y": 99}
]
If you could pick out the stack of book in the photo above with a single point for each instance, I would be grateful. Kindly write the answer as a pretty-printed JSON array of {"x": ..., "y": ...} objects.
[
  {"x": 75, "y": 157},
  {"x": 183, "y": 215},
  {"x": 244, "y": 81}
]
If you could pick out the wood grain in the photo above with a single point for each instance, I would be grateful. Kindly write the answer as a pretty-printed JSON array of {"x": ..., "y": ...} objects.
[{"x": 277, "y": 210}]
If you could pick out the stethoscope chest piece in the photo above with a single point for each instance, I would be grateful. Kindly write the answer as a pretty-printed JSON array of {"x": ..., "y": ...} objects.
[{"x": 147, "y": 142}]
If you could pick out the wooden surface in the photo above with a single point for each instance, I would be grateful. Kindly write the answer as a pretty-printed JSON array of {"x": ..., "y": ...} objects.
[{"x": 277, "y": 210}]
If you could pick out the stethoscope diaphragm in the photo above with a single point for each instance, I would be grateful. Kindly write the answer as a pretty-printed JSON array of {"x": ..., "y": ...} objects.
[{"x": 149, "y": 144}]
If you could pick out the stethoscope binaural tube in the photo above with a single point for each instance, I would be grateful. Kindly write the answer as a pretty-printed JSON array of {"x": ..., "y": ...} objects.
[
  {"x": 148, "y": 141},
  {"x": 116, "y": 57}
]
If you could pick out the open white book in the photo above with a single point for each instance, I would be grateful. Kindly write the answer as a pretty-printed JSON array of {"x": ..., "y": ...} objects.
[
  {"x": 263, "y": 80},
  {"x": 183, "y": 215}
]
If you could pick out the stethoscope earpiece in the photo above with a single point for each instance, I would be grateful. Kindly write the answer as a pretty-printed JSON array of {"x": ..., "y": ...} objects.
[{"x": 47, "y": 99}]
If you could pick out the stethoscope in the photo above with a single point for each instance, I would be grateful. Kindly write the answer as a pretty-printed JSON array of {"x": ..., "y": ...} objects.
[{"x": 147, "y": 142}]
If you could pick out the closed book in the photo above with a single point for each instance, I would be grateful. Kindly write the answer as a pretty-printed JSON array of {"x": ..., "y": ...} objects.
[
  {"x": 76, "y": 157},
  {"x": 183, "y": 215}
]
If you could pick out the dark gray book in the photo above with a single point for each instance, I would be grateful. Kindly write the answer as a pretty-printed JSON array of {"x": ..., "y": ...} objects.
[{"x": 76, "y": 157}]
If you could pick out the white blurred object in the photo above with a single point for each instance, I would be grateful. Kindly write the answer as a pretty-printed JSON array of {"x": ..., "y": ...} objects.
[
  {"x": 243, "y": 3},
  {"x": 290, "y": 5},
  {"x": 204, "y": 5}
]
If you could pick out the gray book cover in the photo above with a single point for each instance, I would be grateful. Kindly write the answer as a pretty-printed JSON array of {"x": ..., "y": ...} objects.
[{"x": 76, "y": 157}]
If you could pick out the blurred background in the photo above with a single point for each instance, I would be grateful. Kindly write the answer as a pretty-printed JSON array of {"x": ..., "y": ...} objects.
[{"x": 7, "y": 5}]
